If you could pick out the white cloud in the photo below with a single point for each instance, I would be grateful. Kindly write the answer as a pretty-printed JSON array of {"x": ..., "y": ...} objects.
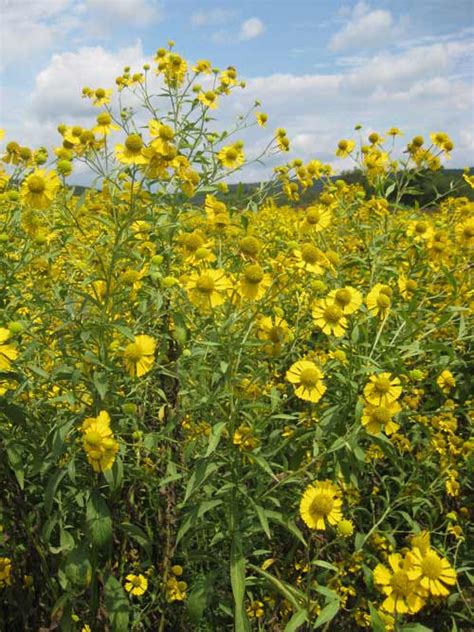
[
  {"x": 214, "y": 17},
  {"x": 58, "y": 87},
  {"x": 128, "y": 12},
  {"x": 29, "y": 27},
  {"x": 253, "y": 27},
  {"x": 366, "y": 29}
]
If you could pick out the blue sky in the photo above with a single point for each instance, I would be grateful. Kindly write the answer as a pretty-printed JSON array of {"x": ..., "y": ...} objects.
[{"x": 318, "y": 66}]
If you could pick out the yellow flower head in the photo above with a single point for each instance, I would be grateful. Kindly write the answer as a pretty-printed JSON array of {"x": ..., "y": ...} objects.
[
  {"x": 382, "y": 389},
  {"x": 329, "y": 317},
  {"x": 402, "y": 595},
  {"x": 432, "y": 571},
  {"x": 321, "y": 503},
  {"x": 139, "y": 355},
  {"x": 136, "y": 584},
  {"x": 307, "y": 379},
  {"x": 208, "y": 289},
  {"x": 39, "y": 189}
]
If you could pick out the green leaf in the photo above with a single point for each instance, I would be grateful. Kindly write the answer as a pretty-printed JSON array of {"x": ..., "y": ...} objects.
[
  {"x": 51, "y": 488},
  {"x": 276, "y": 516},
  {"x": 201, "y": 472},
  {"x": 137, "y": 534},
  {"x": 114, "y": 476},
  {"x": 376, "y": 620},
  {"x": 99, "y": 521},
  {"x": 237, "y": 580},
  {"x": 16, "y": 461},
  {"x": 327, "y": 565},
  {"x": 199, "y": 597},
  {"x": 101, "y": 384},
  {"x": 415, "y": 627},
  {"x": 77, "y": 566},
  {"x": 292, "y": 594},
  {"x": 215, "y": 436},
  {"x": 117, "y": 605},
  {"x": 296, "y": 621},
  {"x": 327, "y": 613}
]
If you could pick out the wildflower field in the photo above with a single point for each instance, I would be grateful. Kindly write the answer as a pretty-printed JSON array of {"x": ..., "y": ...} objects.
[{"x": 231, "y": 416}]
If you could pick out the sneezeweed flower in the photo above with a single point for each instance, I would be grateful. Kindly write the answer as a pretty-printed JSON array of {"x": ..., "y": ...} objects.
[
  {"x": 407, "y": 286},
  {"x": 262, "y": 118},
  {"x": 209, "y": 99},
  {"x": 39, "y": 189},
  {"x": 175, "y": 590},
  {"x": 245, "y": 439},
  {"x": 347, "y": 298},
  {"x": 345, "y": 528},
  {"x": 329, "y": 317},
  {"x": 5, "y": 571},
  {"x": 101, "y": 97},
  {"x": 131, "y": 153},
  {"x": 432, "y": 571},
  {"x": 98, "y": 442},
  {"x": 379, "y": 300},
  {"x": 420, "y": 231},
  {"x": 394, "y": 131},
  {"x": 256, "y": 610},
  {"x": 320, "y": 504},
  {"x": 316, "y": 219},
  {"x": 382, "y": 389},
  {"x": 465, "y": 232},
  {"x": 378, "y": 418},
  {"x": 105, "y": 124},
  {"x": 254, "y": 282},
  {"x": 310, "y": 258},
  {"x": 345, "y": 148},
  {"x": 208, "y": 289},
  {"x": 446, "y": 381},
  {"x": 136, "y": 584},
  {"x": 275, "y": 330},
  {"x": 139, "y": 355},
  {"x": 231, "y": 156},
  {"x": 402, "y": 594},
  {"x": 8, "y": 352},
  {"x": 307, "y": 379}
]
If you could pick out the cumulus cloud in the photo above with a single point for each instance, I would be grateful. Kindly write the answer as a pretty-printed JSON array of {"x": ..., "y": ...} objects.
[
  {"x": 366, "y": 29},
  {"x": 28, "y": 27},
  {"x": 253, "y": 27}
]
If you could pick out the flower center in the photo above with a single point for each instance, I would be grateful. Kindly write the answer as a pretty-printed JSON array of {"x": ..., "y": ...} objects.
[
  {"x": 104, "y": 119},
  {"x": 193, "y": 242},
  {"x": 231, "y": 154},
  {"x": 342, "y": 144},
  {"x": 383, "y": 301},
  {"x": 276, "y": 334},
  {"x": 421, "y": 227},
  {"x": 309, "y": 253},
  {"x": 322, "y": 505},
  {"x": 431, "y": 566},
  {"x": 93, "y": 438},
  {"x": 100, "y": 93},
  {"x": 136, "y": 581},
  {"x": 411, "y": 285},
  {"x": 205, "y": 284},
  {"x": 332, "y": 314},
  {"x": 382, "y": 385},
  {"x": 134, "y": 143},
  {"x": 133, "y": 352},
  {"x": 36, "y": 184},
  {"x": 309, "y": 377},
  {"x": 253, "y": 274},
  {"x": 249, "y": 246},
  {"x": 381, "y": 415},
  {"x": 400, "y": 583},
  {"x": 343, "y": 297},
  {"x": 313, "y": 216}
]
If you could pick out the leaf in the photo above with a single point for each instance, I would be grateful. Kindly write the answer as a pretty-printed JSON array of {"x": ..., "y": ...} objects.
[
  {"x": 13, "y": 412},
  {"x": 99, "y": 521},
  {"x": 201, "y": 472},
  {"x": 51, "y": 488},
  {"x": 237, "y": 580},
  {"x": 287, "y": 523},
  {"x": 117, "y": 605},
  {"x": 327, "y": 613},
  {"x": 114, "y": 476},
  {"x": 215, "y": 436},
  {"x": 199, "y": 597},
  {"x": 415, "y": 627},
  {"x": 137, "y": 534},
  {"x": 101, "y": 384},
  {"x": 16, "y": 461},
  {"x": 292, "y": 594},
  {"x": 77, "y": 566},
  {"x": 327, "y": 565},
  {"x": 296, "y": 621},
  {"x": 376, "y": 620}
]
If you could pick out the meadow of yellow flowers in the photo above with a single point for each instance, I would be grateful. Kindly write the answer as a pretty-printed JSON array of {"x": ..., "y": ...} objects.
[{"x": 219, "y": 416}]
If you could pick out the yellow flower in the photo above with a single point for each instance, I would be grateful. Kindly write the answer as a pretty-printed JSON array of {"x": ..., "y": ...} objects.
[
  {"x": 139, "y": 355},
  {"x": 329, "y": 317},
  {"x": 274, "y": 329},
  {"x": 382, "y": 390},
  {"x": 8, "y": 353},
  {"x": 344, "y": 148},
  {"x": 105, "y": 124},
  {"x": 345, "y": 528},
  {"x": 208, "y": 289},
  {"x": 403, "y": 595},
  {"x": 394, "y": 131},
  {"x": 132, "y": 152},
  {"x": 316, "y": 219},
  {"x": 465, "y": 232},
  {"x": 307, "y": 379},
  {"x": 203, "y": 66},
  {"x": 231, "y": 156},
  {"x": 320, "y": 503},
  {"x": 379, "y": 300},
  {"x": 254, "y": 282},
  {"x": 101, "y": 97},
  {"x": 446, "y": 381},
  {"x": 209, "y": 99},
  {"x": 39, "y": 188},
  {"x": 5, "y": 571},
  {"x": 469, "y": 179},
  {"x": 310, "y": 258},
  {"x": 245, "y": 439},
  {"x": 376, "y": 418},
  {"x": 99, "y": 442},
  {"x": 136, "y": 584},
  {"x": 432, "y": 571},
  {"x": 421, "y": 541},
  {"x": 175, "y": 590},
  {"x": 347, "y": 298},
  {"x": 420, "y": 230},
  {"x": 262, "y": 118}
]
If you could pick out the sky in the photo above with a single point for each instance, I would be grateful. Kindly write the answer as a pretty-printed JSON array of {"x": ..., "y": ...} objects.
[{"x": 319, "y": 67}]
